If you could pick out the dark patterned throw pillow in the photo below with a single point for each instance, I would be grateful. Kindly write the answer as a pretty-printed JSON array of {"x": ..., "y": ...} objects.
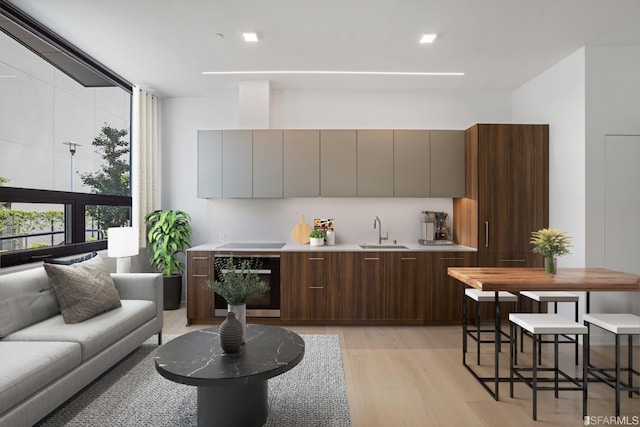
[{"x": 83, "y": 289}]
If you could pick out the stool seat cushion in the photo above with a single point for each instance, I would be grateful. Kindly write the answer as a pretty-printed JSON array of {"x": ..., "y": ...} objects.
[
  {"x": 547, "y": 323},
  {"x": 550, "y": 296},
  {"x": 489, "y": 296},
  {"x": 618, "y": 323}
]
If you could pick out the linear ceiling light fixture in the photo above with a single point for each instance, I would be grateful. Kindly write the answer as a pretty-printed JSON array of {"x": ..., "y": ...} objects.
[
  {"x": 428, "y": 38},
  {"x": 361, "y": 73},
  {"x": 250, "y": 36}
]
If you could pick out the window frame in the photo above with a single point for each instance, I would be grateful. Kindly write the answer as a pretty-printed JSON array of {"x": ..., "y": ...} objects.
[{"x": 75, "y": 205}]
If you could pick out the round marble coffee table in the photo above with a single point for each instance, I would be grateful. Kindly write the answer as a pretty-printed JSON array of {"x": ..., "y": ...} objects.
[{"x": 232, "y": 388}]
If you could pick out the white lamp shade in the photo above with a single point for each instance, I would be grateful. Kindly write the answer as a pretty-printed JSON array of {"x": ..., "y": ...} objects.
[{"x": 122, "y": 242}]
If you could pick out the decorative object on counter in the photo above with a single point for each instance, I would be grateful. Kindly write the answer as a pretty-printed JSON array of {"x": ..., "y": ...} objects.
[
  {"x": 323, "y": 224},
  {"x": 550, "y": 243},
  {"x": 169, "y": 234},
  {"x": 316, "y": 237},
  {"x": 331, "y": 238},
  {"x": 237, "y": 283},
  {"x": 326, "y": 225},
  {"x": 231, "y": 334},
  {"x": 301, "y": 231}
]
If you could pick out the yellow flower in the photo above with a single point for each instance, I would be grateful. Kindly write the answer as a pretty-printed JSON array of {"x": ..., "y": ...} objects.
[{"x": 550, "y": 242}]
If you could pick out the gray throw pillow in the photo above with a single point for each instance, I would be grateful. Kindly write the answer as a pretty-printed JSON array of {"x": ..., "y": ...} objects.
[{"x": 84, "y": 289}]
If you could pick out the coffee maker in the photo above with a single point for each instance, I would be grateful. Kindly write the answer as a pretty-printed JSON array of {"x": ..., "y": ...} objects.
[
  {"x": 434, "y": 227},
  {"x": 441, "y": 230}
]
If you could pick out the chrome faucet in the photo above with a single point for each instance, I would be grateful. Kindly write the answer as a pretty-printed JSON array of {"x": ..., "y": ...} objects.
[{"x": 380, "y": 238}]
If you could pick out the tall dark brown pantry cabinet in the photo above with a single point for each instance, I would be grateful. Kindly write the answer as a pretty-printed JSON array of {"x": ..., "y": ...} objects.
[{"x": 507, "y": 193}]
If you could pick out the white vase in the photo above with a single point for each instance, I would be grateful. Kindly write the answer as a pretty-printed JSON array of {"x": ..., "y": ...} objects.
[
  {"x": 240, "y": 312},
  {"x": 316, "y": 241}
]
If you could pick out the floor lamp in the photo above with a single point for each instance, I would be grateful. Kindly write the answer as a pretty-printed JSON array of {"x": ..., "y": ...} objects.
[{"x": 122, "y": 243}]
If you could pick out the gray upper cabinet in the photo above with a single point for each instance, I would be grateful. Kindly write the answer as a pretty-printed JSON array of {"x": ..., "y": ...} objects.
[
  {"x": 447, "y": 163},
  {"x": 338, "y": 163},
  {"x": 237, "y": 162},
  {"x": 276, "y": 163},
  {"x": 411, "y": 163},
  {"x": 209, "y": 164},
  {"x": 301, "y": 163},
  {"x": 375, "y": 163},
  {"x": 267, "y": 163}
]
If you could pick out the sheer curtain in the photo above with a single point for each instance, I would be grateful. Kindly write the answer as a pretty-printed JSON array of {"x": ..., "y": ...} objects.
[{"x": 144, "y": 152}]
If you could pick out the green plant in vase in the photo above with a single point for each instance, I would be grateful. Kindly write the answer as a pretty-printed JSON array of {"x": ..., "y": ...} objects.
[
  {"x": 236, "y": 283},
  {"x": 550, "y": 243}
]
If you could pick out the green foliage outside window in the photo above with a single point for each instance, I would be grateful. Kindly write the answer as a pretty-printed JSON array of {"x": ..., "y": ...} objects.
[{"x": 113, "y": 178}]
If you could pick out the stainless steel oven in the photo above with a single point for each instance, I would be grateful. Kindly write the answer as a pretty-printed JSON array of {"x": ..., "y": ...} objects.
[{"x": 267, "y": 266}]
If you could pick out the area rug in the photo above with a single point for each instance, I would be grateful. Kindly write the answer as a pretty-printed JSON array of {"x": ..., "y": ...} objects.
[{"x": 133, "y": 394}]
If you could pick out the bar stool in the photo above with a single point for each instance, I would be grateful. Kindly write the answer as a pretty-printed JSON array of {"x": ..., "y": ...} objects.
[
  {"x": 555, "y": 297},
  {"x": 617, "y": 324},
  {"x": 482, "y": 297},
  {"x": 538, "y": 324}
]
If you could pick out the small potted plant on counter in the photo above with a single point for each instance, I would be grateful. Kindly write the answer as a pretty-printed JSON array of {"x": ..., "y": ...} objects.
[
  {"x": 551, "y": 243},
  {"x": 316, "y": 237},
  {"x": 236, "y": 283}
]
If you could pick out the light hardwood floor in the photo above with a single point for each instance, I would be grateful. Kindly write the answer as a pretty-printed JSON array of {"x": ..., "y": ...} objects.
[{"x": 413, "y": 377}]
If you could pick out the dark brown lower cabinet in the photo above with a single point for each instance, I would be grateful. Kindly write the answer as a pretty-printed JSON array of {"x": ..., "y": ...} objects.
[
  {"x": 444, "y": 299},
  {"x": 200, "y": 298},
  {"x": 368, "y": 300},
  {"x": 407, "y": 284},
  {"x": 310, "y": 286}
]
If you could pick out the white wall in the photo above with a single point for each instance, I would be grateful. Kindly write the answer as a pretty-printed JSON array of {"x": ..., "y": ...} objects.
[
  {"x": 42, "y": 107},
  {"x": 613, "y": 91},
  {"x": 587, "y": 98},
  {"x": 250, "y": 220},
  {"x": 557, "y": 97}
]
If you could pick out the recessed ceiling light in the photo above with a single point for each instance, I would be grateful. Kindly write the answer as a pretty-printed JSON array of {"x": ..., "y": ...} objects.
[
  {"x": 361, "y": 73},
  {"x": 251, "y": 36},
  {"x": 428, "y": 37}
]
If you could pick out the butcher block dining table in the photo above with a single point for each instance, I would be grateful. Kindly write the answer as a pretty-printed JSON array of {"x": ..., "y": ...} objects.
[{"x": 515, "y": 280}]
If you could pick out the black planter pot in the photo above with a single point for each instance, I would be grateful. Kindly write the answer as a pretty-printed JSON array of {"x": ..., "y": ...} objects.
[{"x": 172, "y": 292}]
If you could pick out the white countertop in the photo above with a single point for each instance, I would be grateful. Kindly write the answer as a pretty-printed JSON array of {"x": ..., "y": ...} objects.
[{"x": 342, "y": 247}]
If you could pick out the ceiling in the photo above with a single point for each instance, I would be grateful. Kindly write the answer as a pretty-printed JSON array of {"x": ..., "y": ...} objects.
[{"x": 165, "y": 45}]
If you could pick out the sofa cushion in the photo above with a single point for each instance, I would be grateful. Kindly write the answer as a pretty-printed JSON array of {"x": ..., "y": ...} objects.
[
  {"x": 27, "y": 367},
  {"x": 83, "y": 289},
  {"x": 26, "y": 297},
  {"x": 95, "y": 334}
]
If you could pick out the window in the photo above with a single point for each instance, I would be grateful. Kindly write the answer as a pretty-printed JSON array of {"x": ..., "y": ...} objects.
[{"x": 65, "y": 142}]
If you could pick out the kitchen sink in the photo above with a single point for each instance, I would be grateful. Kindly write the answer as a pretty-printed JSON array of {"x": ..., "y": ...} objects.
[{"x": 365, "y": 246}]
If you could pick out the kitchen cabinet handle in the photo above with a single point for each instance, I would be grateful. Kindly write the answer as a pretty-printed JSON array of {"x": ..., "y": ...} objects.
[
  {"x": 451, "y": 259},
  {"x": 408, "y": 258},
  {"x": 511, "y": 260},
  {"x": 316, "y": 259},
  {"x": 316, "y": 287},
  {"x": 199, "y": 275},
  {"x": 200, "y": 257},
  {"x": 486, "y": 234},
  {"x": 371, "y": 258}
]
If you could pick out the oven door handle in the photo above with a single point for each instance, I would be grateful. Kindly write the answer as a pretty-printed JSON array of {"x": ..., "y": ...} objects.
[{"x": 225, "y": 271}]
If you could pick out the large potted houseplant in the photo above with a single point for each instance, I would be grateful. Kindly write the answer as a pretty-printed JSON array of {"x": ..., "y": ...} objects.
[
  {"x": 551, "y": 243},
  {"x": 169, "y": 234},
  {"x": 236, "y": 282}
]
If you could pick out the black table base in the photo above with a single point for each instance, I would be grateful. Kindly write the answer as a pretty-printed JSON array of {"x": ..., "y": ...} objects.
[{"x": 233, "y": 405}]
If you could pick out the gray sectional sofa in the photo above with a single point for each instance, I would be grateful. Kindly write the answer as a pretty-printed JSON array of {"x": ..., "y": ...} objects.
[{"x": 45, "y": 361}]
